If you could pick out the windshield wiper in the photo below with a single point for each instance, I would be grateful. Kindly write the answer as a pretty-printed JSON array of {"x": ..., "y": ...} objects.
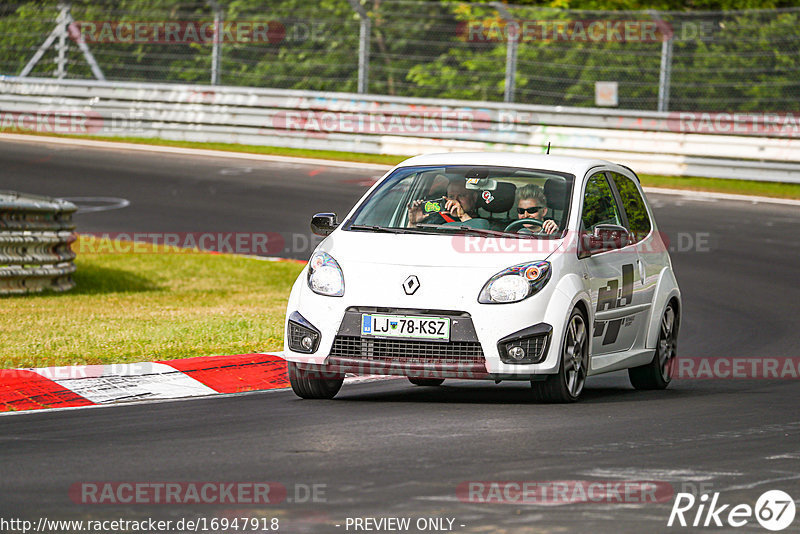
[
  {"x": 470, "y": 229},
  {"x": 387, "y": 229}
]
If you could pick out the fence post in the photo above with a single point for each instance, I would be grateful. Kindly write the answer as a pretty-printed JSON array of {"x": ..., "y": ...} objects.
[
  {"x": 216, "y": 46},
  {"x": 512, "y": 41},
  {"x": 363, "y": 46},
  {"x": 665, "y": 72},
  {"x": 61, "y": 47},
  {"x": 60, "y": 31}
]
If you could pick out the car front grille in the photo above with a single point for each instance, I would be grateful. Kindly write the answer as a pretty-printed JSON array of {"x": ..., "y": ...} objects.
[
  {"x": 399, "y": 356},
  {"x": 389, "y": 350}
]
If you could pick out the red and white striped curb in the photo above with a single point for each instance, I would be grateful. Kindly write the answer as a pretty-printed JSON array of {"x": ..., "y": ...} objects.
[{"x": 91, "y": 385}]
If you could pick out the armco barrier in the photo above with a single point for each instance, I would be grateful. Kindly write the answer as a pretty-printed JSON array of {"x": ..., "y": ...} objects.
[
  {"x": 650, "y": 142},
  {"x": 35, "y": 237}
]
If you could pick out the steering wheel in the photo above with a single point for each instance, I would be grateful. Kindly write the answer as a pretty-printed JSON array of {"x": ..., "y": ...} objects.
[{"x": 515, "y": 226}]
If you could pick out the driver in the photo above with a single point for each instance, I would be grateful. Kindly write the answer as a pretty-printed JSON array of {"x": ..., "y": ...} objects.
[
  {"x": 460, "y": 204},
  {"x": 532, "y": 204}
]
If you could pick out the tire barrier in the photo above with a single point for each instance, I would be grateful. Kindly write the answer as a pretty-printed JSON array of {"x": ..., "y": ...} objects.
[{"x": 35, "y": 237}]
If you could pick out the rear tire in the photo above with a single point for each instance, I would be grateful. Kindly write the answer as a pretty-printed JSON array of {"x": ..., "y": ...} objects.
[
  {"x": 658, "y": 373},
  {"x": 567, "y": 384},
  {"x": 432, "y": 382},
  {"x": 313, "y": 383}
]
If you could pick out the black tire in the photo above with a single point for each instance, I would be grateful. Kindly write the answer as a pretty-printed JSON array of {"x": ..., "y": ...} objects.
[
  {"x": 313, "y": 383},
  {"x": 658, "y": 373},
  {"x": 567, "y": 384},
  {"x": 432, "y": 382}
]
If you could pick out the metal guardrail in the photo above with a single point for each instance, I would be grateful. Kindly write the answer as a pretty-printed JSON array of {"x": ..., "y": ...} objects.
[
  {"x": 650, "y": 142},
  {"x": 35, "y": 237}
]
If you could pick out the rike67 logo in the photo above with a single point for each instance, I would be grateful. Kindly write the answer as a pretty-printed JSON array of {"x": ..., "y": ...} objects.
[{"x": 774, "y": 510}]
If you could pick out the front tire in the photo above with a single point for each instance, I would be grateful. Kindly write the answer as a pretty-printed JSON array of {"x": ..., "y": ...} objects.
[
  {"x": 432, "y": 382},
  {"x": 313, "y": 383},
  {"x": 658, "y": 373},
  {"x": 567, "y": 384}
]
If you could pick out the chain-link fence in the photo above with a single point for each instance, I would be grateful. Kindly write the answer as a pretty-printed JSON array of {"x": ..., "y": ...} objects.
[{"x": 641, "y": 60}]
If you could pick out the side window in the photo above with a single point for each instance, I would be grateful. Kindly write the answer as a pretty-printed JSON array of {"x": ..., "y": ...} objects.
[
  {"x": 387, "y": 207},
  {"x": 638, "y": 220},
  {"x": 599, "y": 206}
]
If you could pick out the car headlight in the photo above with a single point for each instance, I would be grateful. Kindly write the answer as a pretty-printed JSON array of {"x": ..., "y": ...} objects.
[
  {"x": 515, "y": 283},
  {"x": 325, "y": 276}
]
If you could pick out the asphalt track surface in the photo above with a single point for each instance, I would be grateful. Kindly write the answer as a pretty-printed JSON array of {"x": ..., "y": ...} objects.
[{"x": 388, "y": 448}]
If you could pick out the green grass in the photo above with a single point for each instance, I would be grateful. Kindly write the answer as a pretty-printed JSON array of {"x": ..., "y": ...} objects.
[
  {"x": 722, "y": 185},
  {"x": 692, "y": 183},
  {"x": 149, "y": 306}
]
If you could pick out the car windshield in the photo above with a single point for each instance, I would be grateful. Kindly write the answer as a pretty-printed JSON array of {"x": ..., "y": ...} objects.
[{"x": 480, "y": 200}]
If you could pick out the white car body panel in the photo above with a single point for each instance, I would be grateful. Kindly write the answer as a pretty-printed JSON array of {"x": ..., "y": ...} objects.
[{"x": 375, "y": 265}]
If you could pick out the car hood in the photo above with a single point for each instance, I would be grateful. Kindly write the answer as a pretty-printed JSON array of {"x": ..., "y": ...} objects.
[{"x": 419, "y": 250}]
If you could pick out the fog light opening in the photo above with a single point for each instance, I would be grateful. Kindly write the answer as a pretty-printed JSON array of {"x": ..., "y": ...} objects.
[
  {"x": 302, "y": 336},
  {"x": 516, "y": 353}
]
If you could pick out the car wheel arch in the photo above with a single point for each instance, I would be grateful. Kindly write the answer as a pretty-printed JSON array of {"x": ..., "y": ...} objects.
[{"x": 666, "y": 291}]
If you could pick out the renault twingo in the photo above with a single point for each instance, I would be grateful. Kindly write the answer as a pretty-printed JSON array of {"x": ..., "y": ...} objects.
[{"x": 493, "y": 266}]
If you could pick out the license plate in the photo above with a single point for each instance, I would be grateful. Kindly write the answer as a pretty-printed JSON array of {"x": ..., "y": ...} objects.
[{"x": 405, "y": 326}]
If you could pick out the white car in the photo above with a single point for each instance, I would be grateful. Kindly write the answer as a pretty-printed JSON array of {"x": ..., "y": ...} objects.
[{"x": 494, "y": 266}]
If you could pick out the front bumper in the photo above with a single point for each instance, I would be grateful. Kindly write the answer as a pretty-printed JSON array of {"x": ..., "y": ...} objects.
[{"x": 466, "y": 355}]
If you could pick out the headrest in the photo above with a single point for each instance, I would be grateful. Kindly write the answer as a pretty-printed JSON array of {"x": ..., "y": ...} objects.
[
  {"x": 555, "y": 191},
  {"x": 499, "y": 199}
]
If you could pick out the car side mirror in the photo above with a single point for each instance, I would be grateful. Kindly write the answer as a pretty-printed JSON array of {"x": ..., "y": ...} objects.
[
  {"x": 605, "y": 237},
  {"x": 323, "y": 223}
]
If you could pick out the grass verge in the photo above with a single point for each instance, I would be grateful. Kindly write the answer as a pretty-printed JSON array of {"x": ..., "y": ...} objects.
[
  {"x": 155, "y": 305},
  {"x": 723, "y": 185},
  {"x": 691, "y": 183}
]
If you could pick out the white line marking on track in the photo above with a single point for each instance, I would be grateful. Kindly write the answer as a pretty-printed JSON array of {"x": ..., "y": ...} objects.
[
  {"x": 632, "y": 473},
  {"x": 90, "y": 204}
]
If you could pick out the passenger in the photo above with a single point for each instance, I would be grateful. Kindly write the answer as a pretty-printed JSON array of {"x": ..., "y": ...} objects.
[
  {"x": 460, "y": 205},
  {"x": 532, "y": 204}
]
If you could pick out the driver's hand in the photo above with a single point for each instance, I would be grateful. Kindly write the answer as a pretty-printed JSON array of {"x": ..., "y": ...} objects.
[
  {"x": 415, "y": 212},
  {"x": 455, "y": 209},
  {"x": 549, "y": 226}
]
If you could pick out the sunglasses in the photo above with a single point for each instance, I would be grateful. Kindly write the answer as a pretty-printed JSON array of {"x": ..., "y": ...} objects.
[{"x": 529, "y": 210}]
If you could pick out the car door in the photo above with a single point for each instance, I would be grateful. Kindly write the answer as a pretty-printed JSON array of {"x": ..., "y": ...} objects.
[
  {"x": 611, "y": 273},
  {"x": 649, "y": 261}
]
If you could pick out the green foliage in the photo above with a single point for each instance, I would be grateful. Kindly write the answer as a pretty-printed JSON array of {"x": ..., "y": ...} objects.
[{"x": 731, "y": 61}]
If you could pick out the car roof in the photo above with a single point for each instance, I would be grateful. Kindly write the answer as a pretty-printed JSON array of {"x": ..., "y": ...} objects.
[{"x": 568, "y": 164}]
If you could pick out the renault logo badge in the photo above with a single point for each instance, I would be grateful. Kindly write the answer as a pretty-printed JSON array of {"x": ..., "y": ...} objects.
[{"x": 411, "y": 284}]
